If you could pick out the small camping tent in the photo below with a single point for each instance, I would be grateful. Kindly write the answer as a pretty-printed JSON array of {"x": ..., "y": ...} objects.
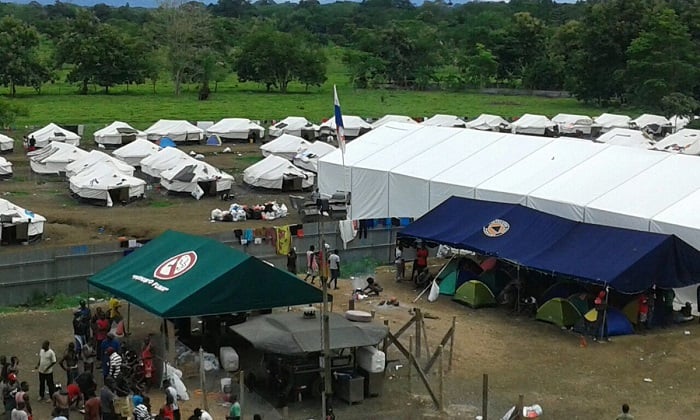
[
  {"x": 104, "y": 184},
  {"x": 353, "y": 126},
  {"x": 685, "y": 141},
  {"x": 196, "y": 178},
  {"x": 277, "y": 173},
  {"x": 615, "y": 321},
  {"x": 5, "y": 168},
  {"x": 573, "y": 124},
  {"x": 296, "y": 126},
  {"x": 7, "y": 144},
  {"x": 495, "y": 280},
  {"x": 626, "y": 137},
  {"x": 214, "y": 140},
  {"x": 237, "y": 129},
  {"x": 95, "y": 158},
  {"x": 393, "y": 118},
  {"x": 286, "y": 146},
  {"x": 53, "y": 133},
  {"x": 177, "y": 130},
  {"x": 134, "y": 152},
  {"x": 558, "y": 311},
  {"x": 606, "y": 122},
  {"x": 447, "y": 277},
  {"x": 488, "y": 122},
  {"x": 475, "y": 294},
  {"x": 538, "y": 125},
  {"x": 117, "y": 133},
  {"x": 162, "y": 160},
  {"x": 308, "y": 159},
  {"x": 442, "y": 120},
  {"x": 18, "y": 224},
  {"x": 54, "y": 158}
]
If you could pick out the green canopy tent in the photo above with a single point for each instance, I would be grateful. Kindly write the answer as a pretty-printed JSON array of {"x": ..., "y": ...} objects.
[
  {"x": 558, "y": 311},
  {"x": 475, "y": 294},
  {"x": 178, "y": 275}
]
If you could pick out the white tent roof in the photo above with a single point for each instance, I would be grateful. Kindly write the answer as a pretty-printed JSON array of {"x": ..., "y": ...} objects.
[
  {"x": 163, "y": 160},
  {"x": 685, "y": 141},
  {"x": 112, "y": 133},
  {"x": 626, "y": 137},
  {"x": 286, "y": 146},
  {"x": 332, "y": 166},
  {"x": 463, "y": 178},
  {"x": 96, "y": 182},
  {"x": 531, "y": 121},
  {"x": 409, "y": 183},
  {"x": 272, "y": 171},
  {"x": 53, "y": 132},
  {"x": 607, "y": 121},
  {"x": 135, "y": 151},
  {"x": 568, "y": 194},
  {"x": 350, "y": 122},
  {"x": 374, "y": 170},
  {"x": 176, "y": 130},
  {"x": 308, "y": 159},
  {"x": 185, "y": 175},
  {"x": 5, "y": 167},
  {"x": 488, "y": 122},
  {"x": 645, "y": 120},
  {"x": 292, "y": 125},
  {"x": 443, "y": 120},
  {"x": 572, "y": 119},
  {"x": 6, "y": 143},
  {"x": 681, "y": 219},
  {"x": 235, "y": 128},
  {"x": 94, "y": 159},
  {"x": 393, "y": 118},
  {"x": 21, "y": 215},
  {"x": 513, "y": 184},
  {"x": 634, "y": 203},
  {"x": 53, "y": 158}
]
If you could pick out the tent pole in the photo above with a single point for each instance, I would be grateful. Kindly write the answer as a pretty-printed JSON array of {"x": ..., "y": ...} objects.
[{"x": 128, "y": 318}]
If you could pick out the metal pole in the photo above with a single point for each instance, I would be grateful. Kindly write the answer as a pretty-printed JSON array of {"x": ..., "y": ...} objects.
[
  {"x": 202, "y": 379},
  {"x": 440, "y": 376},
  {"x": 327, "y": 386},
  {"x": 485, "y": 397},
  {"x": 128, "y": 318},
  {"x": 410, "y": 348}
]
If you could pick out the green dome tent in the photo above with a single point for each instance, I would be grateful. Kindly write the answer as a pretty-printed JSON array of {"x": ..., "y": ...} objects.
[
  {"x": 558, "y": 311},
  {"x": 447, "y": 277},
  {"x": 495, "y": 280},
  {"x": 475, "y": 294}
]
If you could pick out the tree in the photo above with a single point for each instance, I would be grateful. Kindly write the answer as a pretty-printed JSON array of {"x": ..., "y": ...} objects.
[
  {"x": 19, "y": 60},
  {"x": 661, "y": 59},
  {"x": 275, "y": 59},
  {"x": 519, "y": 46},
  {"x": 478, "y": 67},
  {"x": 678, "y": 104},
  {"x": 9, "y": 111}
]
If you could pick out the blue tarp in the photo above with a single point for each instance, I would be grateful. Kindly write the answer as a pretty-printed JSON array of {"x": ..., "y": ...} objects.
[{"x": 627, "y": 260}]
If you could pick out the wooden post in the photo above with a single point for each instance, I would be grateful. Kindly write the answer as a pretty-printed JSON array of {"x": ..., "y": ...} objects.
[
  {"x": 410, "y": 346},
  {"x": 203, "y": 380},
  {"x": 425, "y": 335},
  {"x": 452, "y": 343},
  {"x": 485, "y": 397},
  {"x": 419, "y": 319},
  {"x": 385, "y": 343},
  {"x": 241, "y": 390},
  {"x": 519, "y": 408},
  {"x": 440, "y": 376}
]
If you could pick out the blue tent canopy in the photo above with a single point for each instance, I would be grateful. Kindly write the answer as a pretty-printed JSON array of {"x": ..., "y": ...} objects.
[{"x": 627, "y": 260}]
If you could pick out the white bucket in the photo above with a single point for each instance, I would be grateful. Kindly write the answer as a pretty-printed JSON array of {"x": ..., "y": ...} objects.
[{"x": 226, "y": 385}]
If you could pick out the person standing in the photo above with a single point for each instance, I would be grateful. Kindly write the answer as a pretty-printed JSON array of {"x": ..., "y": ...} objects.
[
  {"x": 101, "y": 330},
  {"x": 311, "y": 264},
  {"x": 147, "y": 352},
  {"x": 69, "y": 363},
  {"x": 107, "y": 398},
  {"x": 47, "y": 360},
  {"x": 601, "y": 325},
  {"x": 19, "y": 412},
  {"x": 171, "y": 398},
  {"x": 625, "y": 415},
  {"x": 92, "y": 407},
  {"x": 61, "y": 402},
  {"x": 235, "y": 411},
  {"x": 399, "y": 262},
  {"x": 115, "y": 363},
  {"x": 292, "y": 261},
  {"x": 334, "y": 266},
  {"x": 112, "y": 342},
  {"x": 421, "y": 261},
  {"x": 88, "y": 355}
]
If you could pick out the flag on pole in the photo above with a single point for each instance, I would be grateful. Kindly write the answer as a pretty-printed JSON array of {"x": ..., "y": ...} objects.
[{"x": 339, "y": 127}]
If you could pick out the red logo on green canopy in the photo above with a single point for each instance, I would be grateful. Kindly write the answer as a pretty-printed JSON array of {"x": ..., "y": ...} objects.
[{"x": 175, "y": 266}]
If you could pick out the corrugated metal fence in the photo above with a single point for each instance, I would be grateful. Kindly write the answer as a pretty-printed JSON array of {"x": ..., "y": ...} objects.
[{"x": 27, "y": 273}]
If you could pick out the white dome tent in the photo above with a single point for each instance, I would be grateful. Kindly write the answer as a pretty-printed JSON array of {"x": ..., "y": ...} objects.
[
  {"x": 573, "y": 124},
  {"x": 134, "y": 152},
  {"x": 5, "y": 168},
  {"x": 163, "y": 160},
  {"x": 606, "y": 122},
  {"x": 53, "y": 133},
  {"x": 96, "y": 158},
  {"x": 685, "y": 141},
  {"x": 196, "y": 178},
  {"x": 7, "y": 144},
  {"x": 532, "y": 124},
  {"x": 105, "y": 185},
  {"x": 393, "y": 118},
  {"x": 353, "y": 127},
  {"x": 442, "y": 120},
  {"x": 237, "y": 129},
  {"x": 19, "y": 225},
  {"x": 53, "y": 159},
  {"x": 179, "y": 131},
  {"x": 117, "y": 134},
  {"x": 488, "y": 122},
  {"x": 286, "y": 146},
  {"x": 296, "y": 126},
  {"x": 308, "y": 159},
  {"x": 626, "y": 137},
  {"x": 277, "y": 173}
]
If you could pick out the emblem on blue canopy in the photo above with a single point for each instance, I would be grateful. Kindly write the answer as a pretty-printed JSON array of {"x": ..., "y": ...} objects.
[{"x": 496, "y": 228}]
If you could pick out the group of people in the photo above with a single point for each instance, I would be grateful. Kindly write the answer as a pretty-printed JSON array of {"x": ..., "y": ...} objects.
[{"x": 313, "y": 268}]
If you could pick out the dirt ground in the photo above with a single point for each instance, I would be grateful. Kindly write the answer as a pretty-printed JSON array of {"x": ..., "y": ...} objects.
[
  {"x": 521, "y": 356},
  {"x": 70, "y": 222}
]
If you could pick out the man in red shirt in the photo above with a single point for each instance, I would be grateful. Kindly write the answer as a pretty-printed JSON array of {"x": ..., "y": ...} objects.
[
  {"x": 92, "y": 408},
  {"x": 421, "y": 261}
]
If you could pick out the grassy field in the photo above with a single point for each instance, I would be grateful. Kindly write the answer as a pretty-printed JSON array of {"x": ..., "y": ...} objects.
[{"x": 139, "y": 106}]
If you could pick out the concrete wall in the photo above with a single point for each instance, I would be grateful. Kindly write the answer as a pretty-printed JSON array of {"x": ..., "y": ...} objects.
[{"x": 26, "y": 271}]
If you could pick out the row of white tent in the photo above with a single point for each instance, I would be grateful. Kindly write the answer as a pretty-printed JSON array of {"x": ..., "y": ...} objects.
[
  {"x": 99, "y": 177},
  {"x": 404, "y": 170},
  {"x": 18, "y": 223}
]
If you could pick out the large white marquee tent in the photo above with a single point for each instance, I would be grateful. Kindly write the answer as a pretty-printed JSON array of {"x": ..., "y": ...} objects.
[{"x": 404, "y": 172}]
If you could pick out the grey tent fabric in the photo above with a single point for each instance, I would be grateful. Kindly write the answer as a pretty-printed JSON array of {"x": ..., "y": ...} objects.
[{"x": 291, "y": 333}]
